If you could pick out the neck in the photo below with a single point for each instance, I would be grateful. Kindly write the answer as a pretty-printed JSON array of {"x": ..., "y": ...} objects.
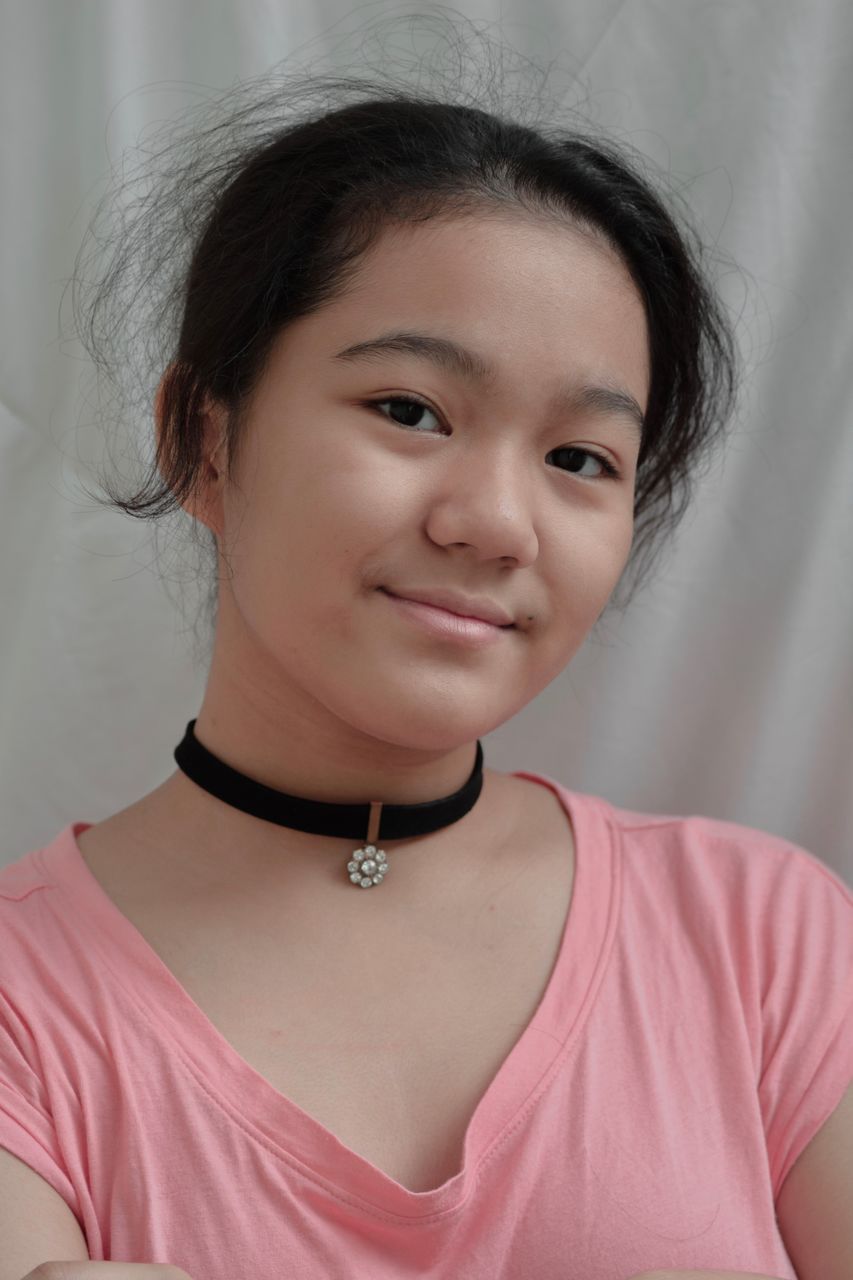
[{"x": 209, "y": 843}]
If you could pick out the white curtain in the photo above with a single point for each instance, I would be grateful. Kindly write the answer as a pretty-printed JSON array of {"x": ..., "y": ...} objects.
[{"x": 727, "y": 689}]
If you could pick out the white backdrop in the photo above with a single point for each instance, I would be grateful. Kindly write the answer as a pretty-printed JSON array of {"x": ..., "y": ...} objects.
[{"x": 727, "y": 689}]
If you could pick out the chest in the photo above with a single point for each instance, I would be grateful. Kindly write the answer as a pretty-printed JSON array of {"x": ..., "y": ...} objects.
[{"x": 388, "y": 1035}]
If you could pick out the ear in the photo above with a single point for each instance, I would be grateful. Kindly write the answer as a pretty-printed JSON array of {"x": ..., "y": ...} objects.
[{"x": 205, "y": 503}]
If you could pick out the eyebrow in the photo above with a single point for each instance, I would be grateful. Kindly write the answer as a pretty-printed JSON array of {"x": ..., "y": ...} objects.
[{"x": 473, "y": 367}]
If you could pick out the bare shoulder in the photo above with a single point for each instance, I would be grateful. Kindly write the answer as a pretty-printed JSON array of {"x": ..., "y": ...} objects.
[
  {"x": 538, "y": 812},
  {"x": 128, "y": 852}
]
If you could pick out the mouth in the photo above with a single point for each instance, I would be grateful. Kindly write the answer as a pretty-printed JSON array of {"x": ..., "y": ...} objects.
[
  {"x": 444, "y": 625},
  {"x": 449, "y": 612}
]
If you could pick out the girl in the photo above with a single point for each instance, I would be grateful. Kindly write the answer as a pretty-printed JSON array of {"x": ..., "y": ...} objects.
[{"x": 337, "y": 999}]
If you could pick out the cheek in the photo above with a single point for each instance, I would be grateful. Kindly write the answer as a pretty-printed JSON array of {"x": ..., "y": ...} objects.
[
  {"x": 306, "y": 522},
  {"x": 599, "y": 547},
  {"x": 583, "y": 585},
  {"x": 351, "y": 505}
]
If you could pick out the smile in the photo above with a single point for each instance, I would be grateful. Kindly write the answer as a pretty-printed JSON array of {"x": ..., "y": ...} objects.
[{"x": 446, "y": 625}]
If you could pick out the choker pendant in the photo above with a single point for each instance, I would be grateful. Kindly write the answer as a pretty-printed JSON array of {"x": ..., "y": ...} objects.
[{"x": 369, "y": 865}]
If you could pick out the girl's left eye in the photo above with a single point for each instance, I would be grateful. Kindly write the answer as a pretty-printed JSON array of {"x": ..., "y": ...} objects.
[{"x": 415, "y": 407}]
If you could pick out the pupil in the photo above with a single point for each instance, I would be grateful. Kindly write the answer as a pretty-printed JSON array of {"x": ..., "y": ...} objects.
[
  {"x": 410, "y": 411},
  {"x": 573, "y": 455}
]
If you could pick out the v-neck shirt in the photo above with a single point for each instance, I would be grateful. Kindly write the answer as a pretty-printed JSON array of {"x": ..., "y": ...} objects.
[{"x": 693, "y": 1036}]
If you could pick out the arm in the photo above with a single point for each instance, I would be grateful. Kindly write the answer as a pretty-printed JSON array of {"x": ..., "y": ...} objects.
[
  {"x": 37, "y": 1229},
  {"x": 35, "y": 1222},
  {"x": 813, "y": 1208}
]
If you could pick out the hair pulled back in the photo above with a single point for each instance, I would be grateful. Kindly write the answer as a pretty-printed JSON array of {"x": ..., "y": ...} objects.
[{"x": 258, "y": 212}]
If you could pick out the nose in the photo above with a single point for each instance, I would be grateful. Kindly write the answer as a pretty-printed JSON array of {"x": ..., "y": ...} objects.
[{"x": 487, "y": 504}]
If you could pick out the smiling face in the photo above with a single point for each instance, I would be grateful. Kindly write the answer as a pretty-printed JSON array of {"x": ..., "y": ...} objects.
[{"x": 491, "y": 488}]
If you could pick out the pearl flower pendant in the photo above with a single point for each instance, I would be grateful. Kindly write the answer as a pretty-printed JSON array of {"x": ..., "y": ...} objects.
[{"x": 368, "y": 866}]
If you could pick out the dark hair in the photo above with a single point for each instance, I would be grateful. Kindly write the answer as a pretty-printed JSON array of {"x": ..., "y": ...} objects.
[{"x": 263, "y": 215}]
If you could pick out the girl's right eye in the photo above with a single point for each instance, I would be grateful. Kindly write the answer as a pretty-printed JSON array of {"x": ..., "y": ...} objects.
[
  {"x": 412, "y": 403},
  {"x": 416, "y": 406}
]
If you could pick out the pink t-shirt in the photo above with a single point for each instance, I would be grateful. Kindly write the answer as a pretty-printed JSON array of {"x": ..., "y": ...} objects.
[{"x": 694, "y": 1035}]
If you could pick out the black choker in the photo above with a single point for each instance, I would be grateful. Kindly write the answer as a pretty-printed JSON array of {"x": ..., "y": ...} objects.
[{"x": 369, "y": 864}]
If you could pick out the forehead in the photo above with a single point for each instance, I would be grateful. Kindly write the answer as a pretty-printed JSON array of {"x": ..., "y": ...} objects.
[
  {"x": 540, "y": 301},
  {"x": 499, "y": 254},
  {"x": 510, "y": 277}
]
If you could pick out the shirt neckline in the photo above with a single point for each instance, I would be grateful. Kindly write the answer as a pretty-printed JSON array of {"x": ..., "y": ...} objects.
[{"x": 294, "y": 1135}]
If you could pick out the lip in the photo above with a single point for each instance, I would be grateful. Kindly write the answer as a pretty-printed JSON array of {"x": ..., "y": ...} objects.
[
  {"x": 478, "y": 610},
  {"x": 472, "y": 632}
]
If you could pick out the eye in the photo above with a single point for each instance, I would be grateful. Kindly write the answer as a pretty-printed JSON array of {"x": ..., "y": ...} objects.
[
  {"x": 610, "y": 472},
  {"x": 414, "y": 408}
]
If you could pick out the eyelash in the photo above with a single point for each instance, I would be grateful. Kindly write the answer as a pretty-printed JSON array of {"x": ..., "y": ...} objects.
[{"x": 610, "y": 472}]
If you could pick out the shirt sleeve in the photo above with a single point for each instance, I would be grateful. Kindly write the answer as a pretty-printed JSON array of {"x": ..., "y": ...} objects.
[
  {"x": 27, "y": 1129},
  {"x": 807, "y": 1005}
]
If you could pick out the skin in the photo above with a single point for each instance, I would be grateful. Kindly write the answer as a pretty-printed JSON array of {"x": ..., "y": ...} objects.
[{"x": 317, "y": 686}]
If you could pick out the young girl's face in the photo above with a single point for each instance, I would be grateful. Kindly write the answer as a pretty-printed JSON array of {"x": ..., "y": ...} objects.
[{"x": 490, "y": 489}]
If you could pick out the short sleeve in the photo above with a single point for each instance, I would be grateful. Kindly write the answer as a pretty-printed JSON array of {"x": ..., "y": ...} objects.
[
  {"x": 26, "y": 1125},
  {"x": 807, "y": 1005}
]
